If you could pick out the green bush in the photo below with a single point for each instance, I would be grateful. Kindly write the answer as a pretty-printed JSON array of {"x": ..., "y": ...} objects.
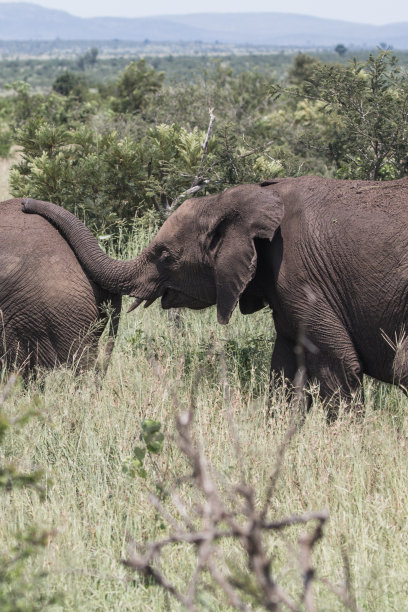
[
  {"x": 112, "y": 178},
  {"x": 70, "y": 83},
  {"x": 363, "y": 121},
  {"x": 6, "y": 140},
  {"x": 114, "y": 158},
  {"x": 135, "y": 86}
]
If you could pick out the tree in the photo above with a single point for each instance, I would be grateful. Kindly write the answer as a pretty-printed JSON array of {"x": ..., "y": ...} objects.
[
  {"x": 370, "y": 104},
  {"x": 135, "y": 85},
  {"x": 69, "y": 83},
  {"x": 302, "y": 69},
  {"x": 88, "y": 59},
  {"x": 340, "y": 50}
]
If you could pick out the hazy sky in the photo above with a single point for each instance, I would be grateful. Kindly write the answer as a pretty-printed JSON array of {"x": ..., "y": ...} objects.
[{"x": 364, "y": 11}]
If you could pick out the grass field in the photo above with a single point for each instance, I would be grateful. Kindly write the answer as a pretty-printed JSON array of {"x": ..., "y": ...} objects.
[{"x": 357, "y": 469}]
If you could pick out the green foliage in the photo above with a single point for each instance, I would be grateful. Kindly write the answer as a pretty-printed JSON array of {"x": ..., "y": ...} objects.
[
  {"x": 74, "y": 168},
  {"x": 68, "y": 110},
  {"x": 38, "y": 63},
  {"x": 302, "y": 69},
  {"x": 341, "y": 49},
  {"x": 88, "y": 59},
  {"x": 135, "y": 86},
  {"x": 17, "y": 592},
  {"x": 152, "y": 436},
  {"x": 70, "y": 83},
  {"x": 152, "y": 439},
  {"x": 369, "y": 101},
  {"x": 136, "y": 146},
  {"x": 6, "y": 136},
  {"x": 115, "y": 178},
  {"x": 10, "y": 476}
]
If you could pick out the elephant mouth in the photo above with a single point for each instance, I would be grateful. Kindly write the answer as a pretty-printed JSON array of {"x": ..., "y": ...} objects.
[
  {"x": 171, "y": 298},
  {"x": 176, "y": 299}
]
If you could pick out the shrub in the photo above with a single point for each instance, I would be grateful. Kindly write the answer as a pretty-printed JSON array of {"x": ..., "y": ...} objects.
[
  {"x": 69, "y": 83},
  {"x": 112, "y": 178},
  {"x": 135, "y": 85},
  {"x": 367, "y": 104}
]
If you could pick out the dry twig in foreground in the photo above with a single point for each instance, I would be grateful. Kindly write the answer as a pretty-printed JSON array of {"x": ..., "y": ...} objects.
[{"x": 233, "y": 516}]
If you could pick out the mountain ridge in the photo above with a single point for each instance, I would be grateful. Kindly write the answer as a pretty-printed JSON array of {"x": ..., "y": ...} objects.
[{"x": 28, "y": 21}]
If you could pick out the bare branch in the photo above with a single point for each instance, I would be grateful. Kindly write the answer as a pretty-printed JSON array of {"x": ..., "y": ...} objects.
[
  {"x": 187, "y": 193},
  {"x": 212, "y": 518},
  {"x": 197, "y": 178},
  {"x": 199, "y": 182}
]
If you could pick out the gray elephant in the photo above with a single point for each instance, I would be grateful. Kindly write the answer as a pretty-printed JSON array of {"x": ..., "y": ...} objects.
[
  {"x": 329, "y": 257},
  {"x": 51, "y": 312}
]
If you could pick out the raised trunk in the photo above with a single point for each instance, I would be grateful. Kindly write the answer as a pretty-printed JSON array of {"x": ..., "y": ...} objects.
[{"x": 114, "y": 275}]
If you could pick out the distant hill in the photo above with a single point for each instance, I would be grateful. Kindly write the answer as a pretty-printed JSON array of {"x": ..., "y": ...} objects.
[{"x": 25, "y": 21}]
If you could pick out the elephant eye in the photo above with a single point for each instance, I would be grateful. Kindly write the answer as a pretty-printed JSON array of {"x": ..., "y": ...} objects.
[{"x": 166, "y": 256}]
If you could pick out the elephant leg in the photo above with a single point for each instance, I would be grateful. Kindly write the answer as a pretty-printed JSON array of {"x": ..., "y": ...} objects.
[
  {"x": 287, "y": 363},
  {"x": 283, "y": 366},
  {"x": 335, "y": 366},
  {"x": 339, "y": 374},
  {"x": 283, "y": 362}
]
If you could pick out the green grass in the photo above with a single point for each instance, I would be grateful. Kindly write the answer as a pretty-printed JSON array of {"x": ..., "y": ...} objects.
[{"x": 357, "y": 469}]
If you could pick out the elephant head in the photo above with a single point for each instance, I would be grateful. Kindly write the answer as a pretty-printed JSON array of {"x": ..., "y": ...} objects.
[{"x": 204, "y": 254}]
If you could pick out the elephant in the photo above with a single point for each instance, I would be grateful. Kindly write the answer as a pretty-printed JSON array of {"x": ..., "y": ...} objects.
[
  {"x": 329, "y": 257},
  {"x": 51, "y": 311}
]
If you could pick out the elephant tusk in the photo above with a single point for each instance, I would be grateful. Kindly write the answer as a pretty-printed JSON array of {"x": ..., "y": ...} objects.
[
  {"x": 149, "y": 302},
  {"x": 135, "y": 304}
]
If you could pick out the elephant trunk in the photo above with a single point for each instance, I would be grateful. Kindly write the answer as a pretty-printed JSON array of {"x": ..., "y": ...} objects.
[{"x": 113, "y": 275}]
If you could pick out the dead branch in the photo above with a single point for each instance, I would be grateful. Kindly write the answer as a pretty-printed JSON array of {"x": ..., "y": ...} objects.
[
  {"x": 233, "y": 516},
  {"x": 210, "y": 521},
  {"x": 199, "y": 182},
  {"x": 197, "y": 178}
]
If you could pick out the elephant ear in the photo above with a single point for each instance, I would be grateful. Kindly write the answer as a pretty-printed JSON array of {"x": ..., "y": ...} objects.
[{"x": 250, "y": 212}]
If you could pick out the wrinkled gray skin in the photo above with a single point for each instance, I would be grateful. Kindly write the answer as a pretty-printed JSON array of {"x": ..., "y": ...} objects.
[
  {"x": 51, "y": 313},
  {"x": 329, "y": 257}
]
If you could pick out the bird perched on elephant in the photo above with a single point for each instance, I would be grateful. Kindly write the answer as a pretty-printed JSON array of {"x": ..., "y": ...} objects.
[
  {"x": 329, "y": 257},
  {"x": 51, "y": 311}
]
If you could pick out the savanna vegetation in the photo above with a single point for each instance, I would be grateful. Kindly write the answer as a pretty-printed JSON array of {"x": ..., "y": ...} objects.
[{"x": 120, "y": 148}]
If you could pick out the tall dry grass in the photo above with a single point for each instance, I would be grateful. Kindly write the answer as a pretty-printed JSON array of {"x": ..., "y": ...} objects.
[{"x": 358, "y": 469}]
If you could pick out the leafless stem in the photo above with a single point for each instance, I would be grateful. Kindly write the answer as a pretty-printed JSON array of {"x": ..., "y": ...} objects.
[
  {"x": 199, "y": 182},
  {"x": 234, "y": 516},
  {"x": 197, "y": 178}
]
